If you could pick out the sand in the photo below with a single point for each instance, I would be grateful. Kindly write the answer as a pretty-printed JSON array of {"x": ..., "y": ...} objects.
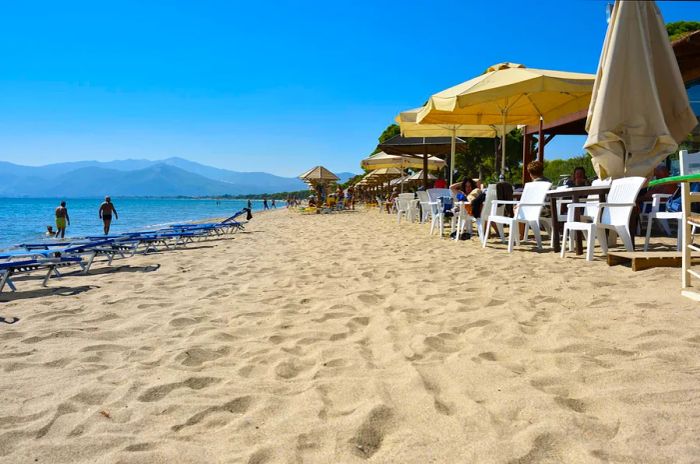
[{"x": 348, "y": 338}]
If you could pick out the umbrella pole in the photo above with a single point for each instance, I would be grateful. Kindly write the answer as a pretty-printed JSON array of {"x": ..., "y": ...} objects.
[
  {"x": 503, "y": 146},
  {"x": 453, "y": 147},
  {"x": 425, "y": 169}
]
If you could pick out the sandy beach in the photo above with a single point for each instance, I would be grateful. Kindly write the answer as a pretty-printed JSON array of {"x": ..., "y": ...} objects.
[{"x": 347, "y": 338}]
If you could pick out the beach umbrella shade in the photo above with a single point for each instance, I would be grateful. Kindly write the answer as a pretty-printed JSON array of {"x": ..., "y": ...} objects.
[
  {"x": 384, "y": 160},
  {"x": 408, "y": 123},
  {"x": 510, "y": 94},
  {"x": 318, "y": 176},
  {"x": 418, "y": 176},
  {"x": 639, "y": 110}
]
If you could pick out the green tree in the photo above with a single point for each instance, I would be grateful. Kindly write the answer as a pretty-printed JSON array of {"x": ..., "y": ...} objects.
[
  {"x": 479, "y": 158},
  {"x": 554, "y": 169},
  {"x": 390, "y": 131},
  {"x": 679, "y": 29}
]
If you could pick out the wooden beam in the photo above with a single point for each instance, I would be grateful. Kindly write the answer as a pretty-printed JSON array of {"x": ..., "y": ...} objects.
[{"x": 569, "y": 118}]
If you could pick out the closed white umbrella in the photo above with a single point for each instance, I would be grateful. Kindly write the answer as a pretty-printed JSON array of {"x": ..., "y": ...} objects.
[{"x": 639, "y": 109}]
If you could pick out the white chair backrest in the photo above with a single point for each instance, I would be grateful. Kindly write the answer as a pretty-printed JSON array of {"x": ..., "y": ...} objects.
[
  {"x": 434, "y": 194},
  {"x": 624, "y": 190},
  {"x": 407, "y": 196},
  {"x": 533, "y": 193},
  {"x": 490, "y": 197},
  {"x": 592, "y": 201},
  {"x": 690, "y": 162},
  {"x": 423, "y": 196}
]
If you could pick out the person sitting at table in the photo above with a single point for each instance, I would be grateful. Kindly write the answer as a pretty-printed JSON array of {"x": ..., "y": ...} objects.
[
  {"x": 647, "y": 193},
  {"x": 468, "y": 187},
  {"x": 578, "y": 178},
  {"x": 390, "y": 201}
]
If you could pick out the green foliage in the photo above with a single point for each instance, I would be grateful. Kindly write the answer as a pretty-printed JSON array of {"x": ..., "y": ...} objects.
[
  {"x": 680, "y": 28},
  {"x": 390, "y": 131},
  {"x": 479, "y": 158},
  {"x": 558, "y": 167}
]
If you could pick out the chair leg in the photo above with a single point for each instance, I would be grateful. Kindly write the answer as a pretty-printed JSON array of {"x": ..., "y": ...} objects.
[
  {"x": 512, "y": 237},
  {"x": 679, "y": 242},
  {"x": 485, "y": 236},
  {"x": 665, "y": 226},
  {"x": 590, "y": 243},
  {"x": 603, "y": 240},
  {"x": 626, "y": 239},
  {"x": 564, "y": 233},
  {"x": 538, "y": 237},
  {"x": 648, "y": 236}
]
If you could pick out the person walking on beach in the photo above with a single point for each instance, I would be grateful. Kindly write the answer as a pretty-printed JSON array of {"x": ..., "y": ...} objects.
[
  {"x": 106, "y": 211},
  {"x": 250, "y": 204},
  {"x": 62, "y": 219},
  {"x": 265, "y": 205},
  {"x": 274, "y": 205}
]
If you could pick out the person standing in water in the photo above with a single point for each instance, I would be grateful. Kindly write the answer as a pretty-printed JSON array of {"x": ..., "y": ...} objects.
[
  {"x": 106, "y": 211},
  {"x": 62, "y": 219}
]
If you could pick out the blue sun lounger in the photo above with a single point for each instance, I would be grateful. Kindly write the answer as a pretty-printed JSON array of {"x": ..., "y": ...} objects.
[
  {"x": 228, "y": 225},
  {"x": 51, "y": 266}
]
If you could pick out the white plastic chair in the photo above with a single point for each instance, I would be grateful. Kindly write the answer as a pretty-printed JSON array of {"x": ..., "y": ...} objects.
[
  {"x": 486, "y": 212},
  {"x": 464, "y": 220},
  {"x": 656, "y": 213},
  {"x": 407, "y": 206},
  {"x": 614, "y": 215},
  {"x": 424, "y": 199},
  {"x": 529, "y": 209},
  {"x": 436, "y": 209}
]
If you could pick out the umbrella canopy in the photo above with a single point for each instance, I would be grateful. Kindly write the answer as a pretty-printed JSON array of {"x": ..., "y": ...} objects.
[
  {"x": 419, "y": 146},
  {"x": 639, "y": 109},
  {"x": 408, "y": 123},
  {"x": 384, "y": 160},
  {"x": 419, "y": 176},
  {"x": 510, "y": 93},
  {"x": 318, "y": 173}
]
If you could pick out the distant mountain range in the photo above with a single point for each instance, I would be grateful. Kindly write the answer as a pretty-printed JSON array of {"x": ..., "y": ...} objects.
[{"x": 138, "y": 177}]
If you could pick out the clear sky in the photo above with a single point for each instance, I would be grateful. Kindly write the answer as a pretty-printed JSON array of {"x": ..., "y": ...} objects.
[{"x": 274, "y": 86}]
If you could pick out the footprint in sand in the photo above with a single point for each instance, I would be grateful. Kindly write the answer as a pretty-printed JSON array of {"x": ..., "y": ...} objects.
[
  {"x": 197, "y": 356},
  {"x": 368, "y": 438},
  {"x": 236, "y": 406},
  {"x": 161, "y": 391}
]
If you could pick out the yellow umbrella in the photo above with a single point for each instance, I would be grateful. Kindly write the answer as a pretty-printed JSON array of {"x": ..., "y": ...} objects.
[
  {"x": 408, "y": 123},
  {"x": 639, "y": 110},
  {"x": 510, "y": 93},
  {"x": 382, "y": 160}
]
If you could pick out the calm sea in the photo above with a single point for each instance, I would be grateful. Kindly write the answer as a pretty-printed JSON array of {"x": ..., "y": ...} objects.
[{"x": 25, "y": 219}]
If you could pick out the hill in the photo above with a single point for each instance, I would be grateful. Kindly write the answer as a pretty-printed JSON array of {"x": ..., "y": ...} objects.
[{"x": 138, "y": 177}]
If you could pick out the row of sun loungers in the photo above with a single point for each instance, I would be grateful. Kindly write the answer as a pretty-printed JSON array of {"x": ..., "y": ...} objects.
[{"x": 49, "y": 257}]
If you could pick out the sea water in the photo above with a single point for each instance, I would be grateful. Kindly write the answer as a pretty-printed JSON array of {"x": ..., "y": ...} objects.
[{"x": 24, "y": 220}]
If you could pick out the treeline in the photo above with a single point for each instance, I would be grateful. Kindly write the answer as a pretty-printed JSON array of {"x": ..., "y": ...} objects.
[{"x": 270, "y": 196}]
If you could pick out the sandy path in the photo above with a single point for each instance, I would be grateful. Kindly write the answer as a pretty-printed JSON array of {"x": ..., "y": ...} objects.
[{"x": 348, "y": 338}]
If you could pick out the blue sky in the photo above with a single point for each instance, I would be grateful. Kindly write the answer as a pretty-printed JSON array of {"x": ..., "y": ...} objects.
[{"x": 262, "y": 86}]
